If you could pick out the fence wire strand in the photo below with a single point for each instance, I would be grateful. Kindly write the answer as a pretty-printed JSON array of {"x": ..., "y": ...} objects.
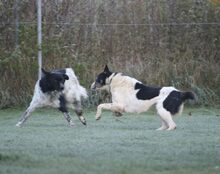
[{"x": 119, "y": 24}]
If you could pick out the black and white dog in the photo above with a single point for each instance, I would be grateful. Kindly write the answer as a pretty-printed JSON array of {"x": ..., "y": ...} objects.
[
  {"x": 130, "y": 95},
  {"x": 59, "y": 89}
]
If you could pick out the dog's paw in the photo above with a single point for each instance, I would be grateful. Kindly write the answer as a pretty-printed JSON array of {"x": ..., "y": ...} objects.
[
  {"x": 118, "y": 114},
  {"x": 19, "y": 124},
  {"x": 171, "y": 128},
  {"x": 83, "y": 120},
  {"x": 98, "y": 117},
  {"x": 71, "y": 124},
  {"x": 162, "y": 128}
]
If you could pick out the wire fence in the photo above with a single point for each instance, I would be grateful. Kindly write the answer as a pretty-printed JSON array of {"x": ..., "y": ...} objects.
[{"x": 118, "y": 24}]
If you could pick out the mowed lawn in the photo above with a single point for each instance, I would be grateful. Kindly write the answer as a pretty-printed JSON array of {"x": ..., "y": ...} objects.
[{"x": 125, "y": 145}]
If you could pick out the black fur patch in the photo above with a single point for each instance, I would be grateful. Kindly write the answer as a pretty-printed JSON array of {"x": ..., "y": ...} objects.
[
  {"x": 62, "y": 107},
  {"x": 146, "y": 92},
  {"x": 52, "y": 82},
  {"x": 173, "y": 102}
]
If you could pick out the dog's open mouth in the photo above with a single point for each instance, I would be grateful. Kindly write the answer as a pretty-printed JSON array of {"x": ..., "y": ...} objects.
[{"x": 95, "y": 86}]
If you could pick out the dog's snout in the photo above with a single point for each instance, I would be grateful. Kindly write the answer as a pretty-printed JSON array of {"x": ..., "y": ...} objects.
[{"x": 93, "y": 86}]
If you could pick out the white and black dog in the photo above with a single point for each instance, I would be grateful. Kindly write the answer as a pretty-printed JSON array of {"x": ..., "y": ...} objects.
[
  {"x": 130, "y": 95},
  {"x": 59, "y": 89}
]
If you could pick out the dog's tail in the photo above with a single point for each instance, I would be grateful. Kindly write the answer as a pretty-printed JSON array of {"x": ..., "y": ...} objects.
[{"x": 188, "y": 96}]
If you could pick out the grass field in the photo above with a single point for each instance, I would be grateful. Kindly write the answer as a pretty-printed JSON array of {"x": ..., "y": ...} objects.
[{"x": 125, "y": 145}]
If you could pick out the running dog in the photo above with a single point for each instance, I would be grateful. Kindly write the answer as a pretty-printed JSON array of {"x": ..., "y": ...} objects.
[
  {"x": 131, "y": 95},
  {"x": 59, "y": 89}
]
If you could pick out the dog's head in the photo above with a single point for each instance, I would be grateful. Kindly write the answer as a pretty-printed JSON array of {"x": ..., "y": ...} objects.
[
  {"x": 101, "y": 80},
  {"x": 52, "y": 81}
]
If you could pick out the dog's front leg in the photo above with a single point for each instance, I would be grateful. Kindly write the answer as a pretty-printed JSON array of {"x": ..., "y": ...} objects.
[
  {"x": 114, "y": 107},
  {"x": 63, "y": 109},
  {"x": 23, "y": 118},
  {"x": 27, "y": 113},
  {"x": 66, "y": 115}
]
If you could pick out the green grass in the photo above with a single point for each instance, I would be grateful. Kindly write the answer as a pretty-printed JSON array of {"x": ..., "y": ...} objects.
[{"x": 126, "y": 145}]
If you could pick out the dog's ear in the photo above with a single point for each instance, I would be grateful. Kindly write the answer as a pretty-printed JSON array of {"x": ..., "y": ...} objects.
[
  {"x": 106, "y": 69},
  {"x": 43, "y": 72},
  {"x": 66, "y": 77}
]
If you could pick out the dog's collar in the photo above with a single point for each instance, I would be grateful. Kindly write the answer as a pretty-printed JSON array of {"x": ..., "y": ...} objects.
[
  {"x": 111, "y": 77},
  {"x": 110, "y": 81}
]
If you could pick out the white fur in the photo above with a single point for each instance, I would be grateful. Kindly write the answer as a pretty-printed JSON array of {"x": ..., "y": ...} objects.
[{"x": 72, "y": 89}]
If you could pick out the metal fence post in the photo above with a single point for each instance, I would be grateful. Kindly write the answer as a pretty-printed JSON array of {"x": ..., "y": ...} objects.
[
  {"x": 39, "y": 37},
  {"x": 16, "y": 23}
]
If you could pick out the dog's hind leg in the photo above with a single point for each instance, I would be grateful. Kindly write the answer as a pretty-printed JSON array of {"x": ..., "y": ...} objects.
[
  {"x": 114, "y": 107},
  {"x": 164, "y": 126},
  {"x": 79, "y": 112},
  {"x": 167, "y": 118}
]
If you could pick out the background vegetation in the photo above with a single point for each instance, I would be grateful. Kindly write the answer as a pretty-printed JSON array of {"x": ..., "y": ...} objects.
[{"x": 160, "y": 42}]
